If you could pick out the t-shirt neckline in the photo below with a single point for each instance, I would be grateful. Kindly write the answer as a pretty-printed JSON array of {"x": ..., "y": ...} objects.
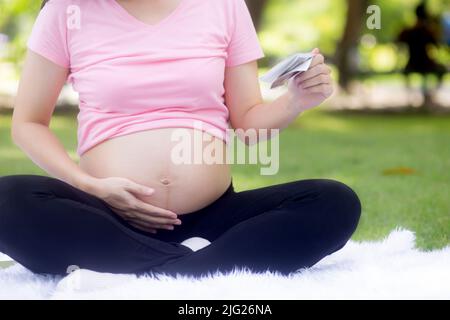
[{"x": 129, "y": 17}]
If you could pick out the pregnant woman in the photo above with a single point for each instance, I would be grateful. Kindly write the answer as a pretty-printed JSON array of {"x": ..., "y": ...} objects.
[{"x": 143, "y": 69}]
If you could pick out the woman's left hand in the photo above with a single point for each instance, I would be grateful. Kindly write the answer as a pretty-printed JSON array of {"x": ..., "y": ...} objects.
[{"x": 310, "y": 88}]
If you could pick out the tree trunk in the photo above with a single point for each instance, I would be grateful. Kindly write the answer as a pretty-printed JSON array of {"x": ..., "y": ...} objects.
[
  {"x": 356, "y": 13},
  {"x": 256, "y": 8}
]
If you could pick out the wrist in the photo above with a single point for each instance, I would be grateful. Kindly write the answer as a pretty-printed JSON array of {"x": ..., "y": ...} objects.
[
  {"x": 293, "y": 105},
  {"x": 85, "y": 182}
]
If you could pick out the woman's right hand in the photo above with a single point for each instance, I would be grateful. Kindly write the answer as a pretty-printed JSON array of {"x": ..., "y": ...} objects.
[{"x": 121, "y": 195}]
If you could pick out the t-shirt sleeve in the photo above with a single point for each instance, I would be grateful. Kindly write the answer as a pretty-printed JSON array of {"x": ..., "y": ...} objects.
[
  {"x": 48, "y": 37},
  {"x": 244, "y": 45}
]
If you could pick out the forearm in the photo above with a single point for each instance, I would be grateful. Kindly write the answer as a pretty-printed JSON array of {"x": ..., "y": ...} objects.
[
  {"x": 277, "y": 114},
  {"x": 46, "y": 151}
]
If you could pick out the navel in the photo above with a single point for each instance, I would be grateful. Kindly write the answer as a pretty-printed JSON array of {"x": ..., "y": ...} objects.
[{"x": 165, "y": 181}]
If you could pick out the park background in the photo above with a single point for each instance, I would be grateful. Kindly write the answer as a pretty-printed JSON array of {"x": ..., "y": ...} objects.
[{"x": 386, "y": 140}]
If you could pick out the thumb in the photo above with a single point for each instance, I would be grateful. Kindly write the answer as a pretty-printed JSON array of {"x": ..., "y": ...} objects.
[
  {"x": 139, "y": 189},
  {"x": 315, "y": 51}
]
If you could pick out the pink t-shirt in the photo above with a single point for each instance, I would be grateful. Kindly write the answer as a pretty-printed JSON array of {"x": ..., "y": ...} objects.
[{"x": 132, "y": 76}]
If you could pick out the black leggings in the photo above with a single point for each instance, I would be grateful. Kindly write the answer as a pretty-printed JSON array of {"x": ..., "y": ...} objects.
[{"x": 50, "y": 227}]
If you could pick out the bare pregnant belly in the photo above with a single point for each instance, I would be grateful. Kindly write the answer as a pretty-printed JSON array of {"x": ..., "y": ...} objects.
[{"x": 146, "y": 158}]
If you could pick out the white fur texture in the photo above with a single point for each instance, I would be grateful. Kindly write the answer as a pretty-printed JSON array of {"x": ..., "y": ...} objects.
[{"x": 389, "y": 269}]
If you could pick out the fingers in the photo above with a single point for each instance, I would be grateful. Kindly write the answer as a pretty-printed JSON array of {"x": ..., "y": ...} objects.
[
  {"x": 313, "y": 72},
  {"x": 154, "y": 211},
  {"x": 135, "y": 209},
  {"x": 127, "y": 216},
  {"x": 152, "y": 214},
  {"x": 136, "y": 215},
  {"x": 324, "y": 89},
  {"x": 318, "y": 59},
  {"x": 139, "y": 212},
  {"x": 153, "y": 226},
  {"x": 318, "y": 80},
  {"x": 138, "y": 188},
  {"x": 135, "y": 219},
  {"x": 144, "y": 207}
]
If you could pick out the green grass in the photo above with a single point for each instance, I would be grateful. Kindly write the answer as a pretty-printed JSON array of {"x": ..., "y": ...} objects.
[{"x": 354, "y": 149}]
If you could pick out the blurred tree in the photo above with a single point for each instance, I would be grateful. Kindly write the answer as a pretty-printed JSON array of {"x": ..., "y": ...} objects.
[
  {"x": 257, "y": 8},
  {"x": 16, "y": 19},
  {"x": 356, "y": 10}
]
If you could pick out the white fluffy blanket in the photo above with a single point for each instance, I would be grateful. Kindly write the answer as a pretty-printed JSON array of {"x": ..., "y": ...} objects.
[{"x": 389, "y": 269}]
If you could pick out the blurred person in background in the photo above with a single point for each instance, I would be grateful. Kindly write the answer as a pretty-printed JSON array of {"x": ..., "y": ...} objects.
[{"x": 419, "y": 38}]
